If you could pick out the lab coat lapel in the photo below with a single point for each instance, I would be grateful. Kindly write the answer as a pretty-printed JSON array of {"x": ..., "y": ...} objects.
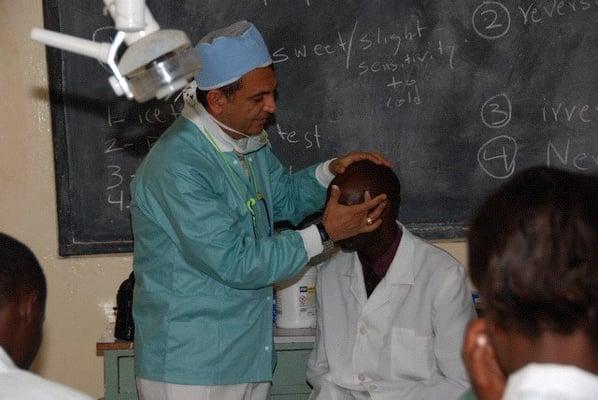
[
  {"x": 399, "y": 278},
  {"x": 380, "y": 296},
  {"x": 355, "y": 280}
]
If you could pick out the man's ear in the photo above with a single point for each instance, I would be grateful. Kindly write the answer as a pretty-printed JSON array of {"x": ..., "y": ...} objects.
[
  {"x": 476, "y": 337},
  {"x": 28, "y": 304},
  {"x": 216, "y": 101},
  {"x": 477, "y": 327},
  {"x": 388, "y": 210}
]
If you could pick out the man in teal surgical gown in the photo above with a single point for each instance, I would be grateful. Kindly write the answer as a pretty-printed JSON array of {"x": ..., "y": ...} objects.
[{"x": 204, "y": 201}]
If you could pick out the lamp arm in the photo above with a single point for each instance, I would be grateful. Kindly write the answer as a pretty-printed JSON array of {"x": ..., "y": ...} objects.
[
  {"x": 100, "y": 51},
  {"x": 123, "y": 86},
  {"x": 132, "y": 17},
  {"x": 128, "y": 15},
  {"x": 88, "y": 48}
]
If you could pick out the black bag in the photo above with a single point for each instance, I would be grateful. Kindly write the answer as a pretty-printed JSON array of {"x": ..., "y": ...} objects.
[{"x": 124, "y": 328}]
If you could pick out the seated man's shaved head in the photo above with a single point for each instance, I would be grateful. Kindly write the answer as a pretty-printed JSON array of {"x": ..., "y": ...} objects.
[{"x": 364, "y": 176}]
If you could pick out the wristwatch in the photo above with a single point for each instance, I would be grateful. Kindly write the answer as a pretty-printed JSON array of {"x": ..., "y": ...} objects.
[{"x": 326, "y": 241}]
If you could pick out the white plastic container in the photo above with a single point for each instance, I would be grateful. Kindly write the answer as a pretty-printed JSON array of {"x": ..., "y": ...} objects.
[{"x": 296, "y": 301}]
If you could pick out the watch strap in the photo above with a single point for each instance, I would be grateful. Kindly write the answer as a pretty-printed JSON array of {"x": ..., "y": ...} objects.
[{"x": 326, "y": 240}]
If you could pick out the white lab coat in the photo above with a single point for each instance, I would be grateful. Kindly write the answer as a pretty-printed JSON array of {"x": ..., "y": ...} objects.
[
  {"x": 18, "y": 384},
  {"x": 551, "y": 381},
  {"x": 404, "y": 342}
]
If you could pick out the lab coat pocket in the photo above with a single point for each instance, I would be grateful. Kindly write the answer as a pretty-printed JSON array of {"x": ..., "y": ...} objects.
[{"x": 411, "y": 355}]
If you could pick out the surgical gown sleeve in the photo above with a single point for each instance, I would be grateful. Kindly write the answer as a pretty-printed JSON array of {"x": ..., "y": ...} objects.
[{"x": 297, "y": 195}]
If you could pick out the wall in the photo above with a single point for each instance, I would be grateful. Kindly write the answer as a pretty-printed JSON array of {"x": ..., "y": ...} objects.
[{"x": 81, "y": 288}]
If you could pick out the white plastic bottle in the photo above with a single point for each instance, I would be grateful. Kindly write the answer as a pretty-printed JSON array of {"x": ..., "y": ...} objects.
[{"x": 296, "y": 301}]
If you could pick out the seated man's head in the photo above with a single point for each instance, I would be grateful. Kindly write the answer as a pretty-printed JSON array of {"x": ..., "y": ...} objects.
[
  {"x": 22, "y": 301},
  {"x": 533, "y": 253},
  {"x": 363, "y": 176}
]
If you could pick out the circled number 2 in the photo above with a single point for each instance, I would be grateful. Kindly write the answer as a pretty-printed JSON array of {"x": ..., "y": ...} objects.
[{"x": 491, "y": 20}]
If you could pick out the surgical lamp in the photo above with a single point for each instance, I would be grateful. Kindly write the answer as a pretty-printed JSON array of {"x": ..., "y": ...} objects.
[{"x": 156, "y": 62}]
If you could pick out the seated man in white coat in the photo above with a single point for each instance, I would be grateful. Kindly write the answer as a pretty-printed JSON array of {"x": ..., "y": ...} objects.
[{"x": 392, "y": 309}]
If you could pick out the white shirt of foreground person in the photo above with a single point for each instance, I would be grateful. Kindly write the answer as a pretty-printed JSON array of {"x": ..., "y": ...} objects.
[
  {"x": 404, "y": 341},
  {"x": 551, "y": 382},
  {"x": 18, "y": 384}
]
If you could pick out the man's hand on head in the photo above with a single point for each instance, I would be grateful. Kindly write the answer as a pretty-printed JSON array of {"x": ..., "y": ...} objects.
[
  {"x": 339, "y": 165},
  {"x": 342, "y": 222}
]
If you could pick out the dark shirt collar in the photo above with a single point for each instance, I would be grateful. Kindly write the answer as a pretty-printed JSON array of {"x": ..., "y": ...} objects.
[{"x": 381, "y": 265}]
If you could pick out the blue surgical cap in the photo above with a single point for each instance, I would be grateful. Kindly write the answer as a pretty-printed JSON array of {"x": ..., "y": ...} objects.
[{"x": 229, "y": 53}]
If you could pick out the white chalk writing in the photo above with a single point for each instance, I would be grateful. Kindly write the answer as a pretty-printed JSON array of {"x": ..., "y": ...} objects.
[
  {"x": 163, "y": 114},
  {"x": 534, "y": 13},
  {"x": 496, "y": 111},
  {"x": 561, "y": 112},
  {"x": 347, "y": 44},
  {"x": 497, "y": 156},
  {"x": 561, "y": 156},
  {"x": 491, "y": 20},
  {"x": 309, "y": 139}
]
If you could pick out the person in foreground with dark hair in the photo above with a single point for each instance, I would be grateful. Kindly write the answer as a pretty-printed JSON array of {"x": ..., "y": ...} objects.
[
  {"x": 533, "y": 253},
  {"x": 22, "y": 309},
  {"x": 392, "y": 309}
]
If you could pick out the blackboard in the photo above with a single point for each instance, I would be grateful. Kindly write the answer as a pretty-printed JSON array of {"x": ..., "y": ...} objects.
[{"x": 459, "y": 94}]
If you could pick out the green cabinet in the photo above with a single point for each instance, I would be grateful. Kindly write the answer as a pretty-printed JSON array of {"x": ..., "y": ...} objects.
[
  {"x": 288, "y": 381},
  {"x": 119, "y": 370}
]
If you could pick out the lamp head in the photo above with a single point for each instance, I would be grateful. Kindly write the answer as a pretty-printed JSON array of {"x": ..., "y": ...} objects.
[{"x": 159, "y": 64}]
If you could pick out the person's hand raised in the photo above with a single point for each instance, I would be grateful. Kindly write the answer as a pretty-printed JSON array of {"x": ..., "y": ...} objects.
[
  {"x": 342, "y": 222},
  {"x": 487, "y": 378},
  {"x": 339, "y": 165}
]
